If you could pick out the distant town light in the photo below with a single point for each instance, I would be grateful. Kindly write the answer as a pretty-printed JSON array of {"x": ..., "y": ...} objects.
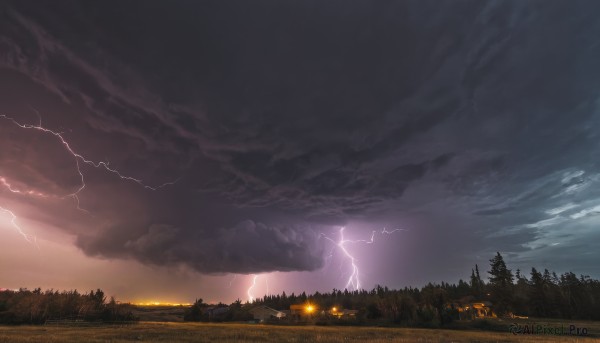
[{"x": 158, "y": 303}]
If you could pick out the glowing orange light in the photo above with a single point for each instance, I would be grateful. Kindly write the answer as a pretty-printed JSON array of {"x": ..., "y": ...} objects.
[
  {"x": 309, "y": 308},
  {"x": 158, "y": 303},
  {"x": 334, "y": 309}
]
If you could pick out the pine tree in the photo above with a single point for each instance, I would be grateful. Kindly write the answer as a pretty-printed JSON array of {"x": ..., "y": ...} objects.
[
  {"x": 537, "y": 294},
  {"x": 476, "y": 283},
  {"x": 501, "y": 285},
  {"x": 521, "y": 294}
]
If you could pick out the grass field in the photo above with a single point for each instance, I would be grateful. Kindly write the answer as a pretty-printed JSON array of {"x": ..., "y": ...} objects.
[{"x": 197, "y": 332}]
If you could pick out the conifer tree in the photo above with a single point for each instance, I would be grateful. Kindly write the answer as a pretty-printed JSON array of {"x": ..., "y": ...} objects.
[{"x": 501, "y": 285}]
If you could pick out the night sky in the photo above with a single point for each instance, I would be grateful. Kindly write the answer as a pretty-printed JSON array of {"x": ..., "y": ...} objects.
[{"x": 227, "y": 139}]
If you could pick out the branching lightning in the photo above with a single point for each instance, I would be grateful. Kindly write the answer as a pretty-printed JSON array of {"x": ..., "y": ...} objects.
[
  {"x": 353, "y": 282},
  {"x": 78, "y": 160},
  {"x": 78, "y": 157}
]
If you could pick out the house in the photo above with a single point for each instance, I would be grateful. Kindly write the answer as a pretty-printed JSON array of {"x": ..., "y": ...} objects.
[
  {"x": 475, "y": 310},
  {"x": 343, "y": 313},
  {"x": 483, "y": 309},
  {"x": 299, "y": 311},
  {"x": 217, "y": 313},
  {"x": 263, "y": 313}
]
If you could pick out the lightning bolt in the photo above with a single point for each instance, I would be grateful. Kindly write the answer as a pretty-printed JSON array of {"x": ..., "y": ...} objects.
[
  {"x": 353, "y": 282},
  {"x": 251, "y": 298},
  {"x": 12, "y": 189},
  {"x": 267, "y": 284},
  {"x": 249, "y": 292},
  {"x": 79, "y": 159},
  {"x": 231, "y": 281},
  {"x": 354, "y": 279},
  {"x": 13, "y": 222}
]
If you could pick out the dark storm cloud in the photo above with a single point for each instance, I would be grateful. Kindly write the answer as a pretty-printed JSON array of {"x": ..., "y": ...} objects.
[
  {"x": 225, "y": 249},
  {"x": 279, "y": 119}
]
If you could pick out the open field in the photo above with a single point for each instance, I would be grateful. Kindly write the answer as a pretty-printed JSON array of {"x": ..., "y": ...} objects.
[{"x": 199, "y": 332}]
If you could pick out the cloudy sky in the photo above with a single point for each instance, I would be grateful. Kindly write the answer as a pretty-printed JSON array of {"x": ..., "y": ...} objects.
[{"x": 168, "y": 150}]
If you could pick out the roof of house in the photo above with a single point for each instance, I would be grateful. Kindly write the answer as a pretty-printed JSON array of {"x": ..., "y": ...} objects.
[
  {"x": 263, "y": 307},
  {"x": 482, "y": 303}
]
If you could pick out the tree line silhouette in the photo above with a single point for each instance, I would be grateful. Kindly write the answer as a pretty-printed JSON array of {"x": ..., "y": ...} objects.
[
  {"x": 543, "y": 294},
  {"x": 37, "y": 307}
]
